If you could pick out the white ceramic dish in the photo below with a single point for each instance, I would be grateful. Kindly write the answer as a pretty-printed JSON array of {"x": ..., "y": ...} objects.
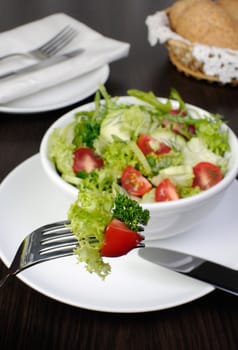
[
  {"x": 59, "y": 96},
  {"x": 166, "y": 218},
  {"x": 28, "y": 200}
]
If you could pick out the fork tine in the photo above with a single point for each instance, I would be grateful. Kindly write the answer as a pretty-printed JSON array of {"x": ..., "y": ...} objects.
[
  {"x": 59, "y": 233},
  {"x": 51, "y": 47},
  {"x": 59, "y": 41},
  {"x": 50, "y": 241},
  {"x": 61, "y": 44},
  {"x": 54, "y": 231},
  {"x": 58, "y": 253},
  {"x": 53, "y": 226},
  {"x": 58, "y": 243},
  {"x": 56, "y": 236},
  {"x": 55, "y": 37}
]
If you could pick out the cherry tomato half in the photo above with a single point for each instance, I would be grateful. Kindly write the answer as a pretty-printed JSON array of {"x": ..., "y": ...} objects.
[
  {"x": 206, "y": 175},
  {"x": 119, "y": 239},
  {"x": 166, "y": 191},
  {"x": 145, "y": 143},
  {"x": 85, "y": 159},
  {"x": 178, "y": 127},
  {"x": 134, "y": 182}
]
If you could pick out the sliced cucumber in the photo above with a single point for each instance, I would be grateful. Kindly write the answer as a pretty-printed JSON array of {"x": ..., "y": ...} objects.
[
  {"x": 181, "y": 176},
  {"x": 169, "y": 138}
]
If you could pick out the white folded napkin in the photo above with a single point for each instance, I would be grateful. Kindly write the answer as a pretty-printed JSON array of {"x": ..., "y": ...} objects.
[{"x": 98, "y": 51}]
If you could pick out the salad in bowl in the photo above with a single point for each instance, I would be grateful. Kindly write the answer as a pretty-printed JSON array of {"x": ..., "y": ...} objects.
[{"x": 137, "y": 163}]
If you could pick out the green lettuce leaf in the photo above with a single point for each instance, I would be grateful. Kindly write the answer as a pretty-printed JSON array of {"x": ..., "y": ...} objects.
[
  {"x": 61, "y": 148},
  {"x": 89, "y": 215},
  {"x": 118, "y": 155},
  {"x": 125, "y": 122},
  {"x": 196, "y": 151},
  {"x": 210, "y": 132}
]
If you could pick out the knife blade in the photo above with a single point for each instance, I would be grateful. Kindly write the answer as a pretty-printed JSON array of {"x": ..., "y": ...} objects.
[
  {"x": 221, "y": 277},
  {"x": 43, "y": 64}
]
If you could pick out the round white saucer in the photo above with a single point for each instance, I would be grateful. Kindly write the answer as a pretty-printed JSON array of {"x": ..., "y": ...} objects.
[
  {"x": 28, "y": 200},
  {"x": 61, "y": 95}
]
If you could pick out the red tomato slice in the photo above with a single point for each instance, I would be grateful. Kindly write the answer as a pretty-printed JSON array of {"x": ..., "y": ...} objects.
[
  {"x": 166, "y": 191},
  {"x": 144, "y": 142},
  {"x": 163, "y": 149},
  {"x": 85, "y": 159},
  {"x": 177, "y": 127},
  {"x": 206, "y": 175},
  {"x": 119, "y": 239},
  {"x": 134, "y": 182},
  {"x": 177, "y": 111}
]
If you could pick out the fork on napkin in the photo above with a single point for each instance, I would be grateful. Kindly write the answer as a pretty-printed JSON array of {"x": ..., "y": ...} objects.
[{"x": 98, "y": 50}]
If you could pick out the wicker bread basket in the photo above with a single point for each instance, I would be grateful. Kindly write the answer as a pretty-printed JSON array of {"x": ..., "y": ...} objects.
[{"x": 182, "y": 53}]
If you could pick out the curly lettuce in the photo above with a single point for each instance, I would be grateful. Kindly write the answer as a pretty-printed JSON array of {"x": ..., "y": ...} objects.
[
  {"x": 89, "y": 215},
  {"x": 211, "y": 134},
  {"x": 61, "y": 148}
]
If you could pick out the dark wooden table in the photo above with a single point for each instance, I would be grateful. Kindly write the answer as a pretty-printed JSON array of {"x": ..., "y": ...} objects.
[{"x": 29, "y": 320}]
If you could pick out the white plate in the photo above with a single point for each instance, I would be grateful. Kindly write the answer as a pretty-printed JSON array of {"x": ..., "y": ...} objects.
[
  {"x": 61, "y": 95},
  {"x": 29, "y": 200}
]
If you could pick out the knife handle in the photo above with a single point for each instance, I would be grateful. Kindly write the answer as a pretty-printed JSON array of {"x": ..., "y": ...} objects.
[{"x": 219, "y": 276}]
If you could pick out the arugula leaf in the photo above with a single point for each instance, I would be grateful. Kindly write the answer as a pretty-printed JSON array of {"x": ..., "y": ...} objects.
[
  {"x": 176, "y": 96},
  {"x": 150, "y": 98}
]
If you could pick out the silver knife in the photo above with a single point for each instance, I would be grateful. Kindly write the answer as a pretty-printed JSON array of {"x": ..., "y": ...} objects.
[
  {"x": 43, "y": 64},
  {"x": 219, "y": 276}
]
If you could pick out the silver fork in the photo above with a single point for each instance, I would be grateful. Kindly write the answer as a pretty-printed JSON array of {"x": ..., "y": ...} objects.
[
  {"x": 56, "y": 240},
  {"x": 51, "y": 47},
  {"x": 45, "y": 243}
]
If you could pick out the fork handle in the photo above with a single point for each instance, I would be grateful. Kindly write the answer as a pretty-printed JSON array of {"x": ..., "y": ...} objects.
[{"x": 47, "y": 62}]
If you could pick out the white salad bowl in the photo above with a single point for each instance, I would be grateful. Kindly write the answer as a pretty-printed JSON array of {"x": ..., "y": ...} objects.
[{"x": 166, "y": 218}]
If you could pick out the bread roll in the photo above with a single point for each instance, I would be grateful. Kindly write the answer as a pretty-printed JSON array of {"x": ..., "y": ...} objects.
[
  {"x": 178, "y": 9},
  {"x": 204, "y": 22},
  {"x": 231, "y": 7}
]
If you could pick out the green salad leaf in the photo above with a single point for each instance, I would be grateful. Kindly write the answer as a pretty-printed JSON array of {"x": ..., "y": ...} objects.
[
  {"x": 210, "y": 133},
  {"x": 89, "y": 215},
  {"x": 151, "y": 99},
  {"x": 61, "y": 149}
]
